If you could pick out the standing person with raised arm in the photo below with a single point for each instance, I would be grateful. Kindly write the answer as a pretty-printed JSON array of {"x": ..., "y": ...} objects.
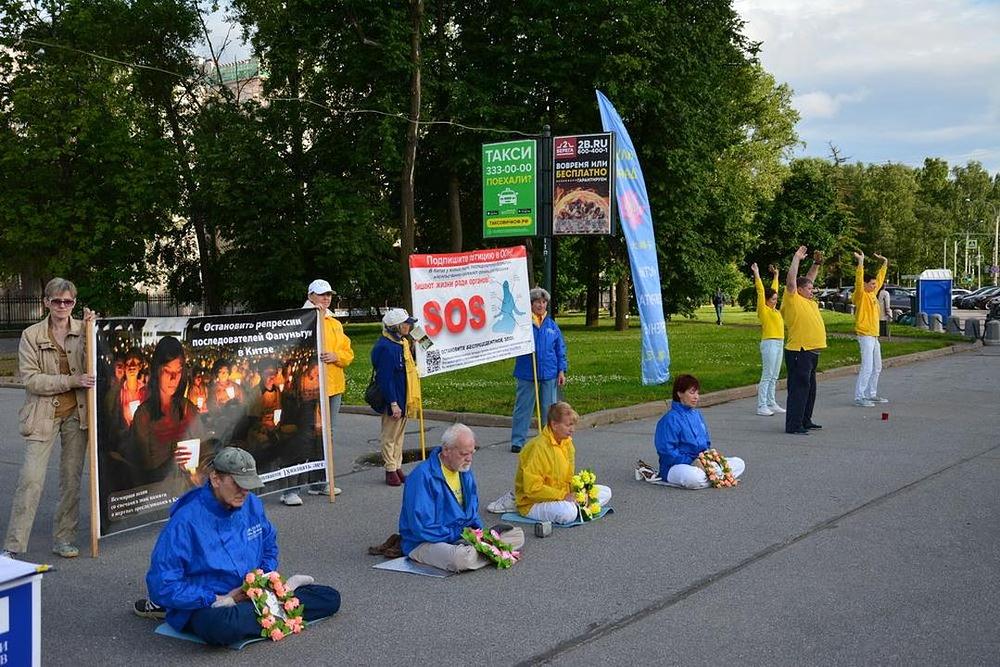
[
  {"x": 806, "y": 337},
  {"x": 772, "y": 338},
  {"x": 866, "y": 323}
]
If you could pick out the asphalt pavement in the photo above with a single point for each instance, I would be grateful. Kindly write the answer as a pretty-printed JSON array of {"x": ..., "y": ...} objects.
[{"x": 870, "y": 541}]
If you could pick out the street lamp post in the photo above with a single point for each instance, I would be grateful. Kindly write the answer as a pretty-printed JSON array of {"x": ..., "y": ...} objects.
[{"x": 995, "y": 268}]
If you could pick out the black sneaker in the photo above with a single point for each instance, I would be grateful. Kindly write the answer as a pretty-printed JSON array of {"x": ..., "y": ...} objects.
[{"x": 148, "y": 609}]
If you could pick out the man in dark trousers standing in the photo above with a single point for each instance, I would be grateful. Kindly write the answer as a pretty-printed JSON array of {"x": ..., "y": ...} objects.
[{"x": 805, "y": 337}]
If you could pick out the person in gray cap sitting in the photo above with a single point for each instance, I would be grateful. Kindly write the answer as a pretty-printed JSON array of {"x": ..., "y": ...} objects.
[
  {"x": 395, "y": 369},
  {"x": 216, "y": 534}
]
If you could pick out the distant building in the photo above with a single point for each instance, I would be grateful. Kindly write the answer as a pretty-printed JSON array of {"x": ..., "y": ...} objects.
[{"x": 245, "y": 78}]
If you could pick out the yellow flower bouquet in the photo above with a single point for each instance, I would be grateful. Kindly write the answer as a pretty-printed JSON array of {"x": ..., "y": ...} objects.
[{"x": 583, "y": 485}]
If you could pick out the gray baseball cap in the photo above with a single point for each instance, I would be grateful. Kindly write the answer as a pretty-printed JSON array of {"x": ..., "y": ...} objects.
[{"x": 240, "y": 464}]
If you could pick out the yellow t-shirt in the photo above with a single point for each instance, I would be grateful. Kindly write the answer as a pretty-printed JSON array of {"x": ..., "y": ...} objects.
[
  {"x": 866, "y": 303},
  {"x": 771, "y": 323},
  {"x": 454, "y": 481},
  {"x": 804, "y": 324}
]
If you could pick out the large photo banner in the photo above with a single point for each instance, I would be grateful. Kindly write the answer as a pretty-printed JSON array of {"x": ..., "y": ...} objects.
[
  {"x": 474, "y": 307},
  {"x": 172, "y": 391}
]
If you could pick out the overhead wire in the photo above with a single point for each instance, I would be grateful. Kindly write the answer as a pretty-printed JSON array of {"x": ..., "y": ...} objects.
[{"x": 397, "y": 115}]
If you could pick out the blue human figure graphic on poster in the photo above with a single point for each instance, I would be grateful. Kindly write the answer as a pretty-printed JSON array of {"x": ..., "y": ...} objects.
[{"x": 506, "y": 321}]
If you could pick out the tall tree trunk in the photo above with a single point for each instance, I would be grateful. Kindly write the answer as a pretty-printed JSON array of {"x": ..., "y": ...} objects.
[
  {"x": 593, "y": 301},
  {"x": 621, "y": 304},
  {"x": 407, "y": 235},
  {"x": 455, "y": 211},
  {"x": 207, "y": 249}
]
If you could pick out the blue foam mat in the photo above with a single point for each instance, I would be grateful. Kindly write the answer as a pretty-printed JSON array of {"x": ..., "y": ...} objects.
[
  {"x": 514, "y": 517},
  {"x": 167, "y": 630},
  {"x": 404, "y": 564}
]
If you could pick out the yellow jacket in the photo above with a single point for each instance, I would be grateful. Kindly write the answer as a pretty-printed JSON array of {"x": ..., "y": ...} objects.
[
  {"x": 336, "y": 341},
  {"x": 544, "y": 469},
  {"x": 866, "y": 303},
  {"x": 771, "y": 323}
]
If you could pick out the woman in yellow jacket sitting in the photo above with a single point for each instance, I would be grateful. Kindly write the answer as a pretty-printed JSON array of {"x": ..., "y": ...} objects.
[
  {"x": 772, "y": 340},
  {"x": 544, "y": 470}
]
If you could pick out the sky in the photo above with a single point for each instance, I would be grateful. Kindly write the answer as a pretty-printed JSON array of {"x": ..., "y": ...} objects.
[
  {"x": 887, "y": 80},
  {"x": 882, "y": 80}
]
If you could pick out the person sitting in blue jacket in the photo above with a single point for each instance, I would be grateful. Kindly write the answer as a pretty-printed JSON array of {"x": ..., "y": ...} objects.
[
  {"x": 550, "y": 356},
  {"x": 441, "y": 500},
  {"x": 216, "y": 534},
  {"x": 681, "y": 435}
]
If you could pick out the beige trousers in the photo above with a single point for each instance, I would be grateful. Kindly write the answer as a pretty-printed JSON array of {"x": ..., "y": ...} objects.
[
  {"x": 32, "y": 479},
  {"x": 391, "y": 439},
  {"x": 459, "y": 557}
]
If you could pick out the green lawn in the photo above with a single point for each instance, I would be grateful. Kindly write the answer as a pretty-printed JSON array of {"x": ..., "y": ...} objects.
[{"x": 604, "y": 363}]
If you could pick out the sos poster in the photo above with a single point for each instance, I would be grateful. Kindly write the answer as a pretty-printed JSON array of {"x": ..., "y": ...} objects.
[
  {"x": 172, "y": 391},
  {"x": 473, "y": 306}
]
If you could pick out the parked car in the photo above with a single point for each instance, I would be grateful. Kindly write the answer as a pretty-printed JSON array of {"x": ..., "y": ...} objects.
[
  {"x": 978, "y": 298},
  {"x": 966, "y": 301},
  {"x": 899, "y": 297},
  {"x": 979, "y": 302},
  {"x": 957, "y": 293},
  {"x": 841, "y": 298}
]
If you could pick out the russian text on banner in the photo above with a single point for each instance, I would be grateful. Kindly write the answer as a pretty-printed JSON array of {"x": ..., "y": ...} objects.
[
  {"x": 172, "y": 391},
  {"x": 637, "y": 225},
  {"x": 474, "y": 307}
]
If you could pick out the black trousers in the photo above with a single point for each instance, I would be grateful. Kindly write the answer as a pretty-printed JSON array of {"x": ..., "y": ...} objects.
[{"x": 801, "y": 368}]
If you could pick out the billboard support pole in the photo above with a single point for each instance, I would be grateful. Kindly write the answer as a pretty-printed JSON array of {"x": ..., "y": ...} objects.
[{"x": 545, "y": 208}]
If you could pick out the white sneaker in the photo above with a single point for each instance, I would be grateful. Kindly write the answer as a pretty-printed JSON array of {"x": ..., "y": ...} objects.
[
  {"x": 291, "y": 499},
  {"x": 765, "y": 412},
  {"x": 863, "y": 403},
  {"x": 504, "y": 503},
  {"x": 778, "y": 410},
  {"x": 878, "y": 399}
]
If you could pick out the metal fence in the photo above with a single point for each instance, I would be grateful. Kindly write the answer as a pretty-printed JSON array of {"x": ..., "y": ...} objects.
[{"x": 17, "y": 312}]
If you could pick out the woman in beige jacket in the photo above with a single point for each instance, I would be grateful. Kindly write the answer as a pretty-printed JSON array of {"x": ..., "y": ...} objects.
[{"x": 52, "y": 364}]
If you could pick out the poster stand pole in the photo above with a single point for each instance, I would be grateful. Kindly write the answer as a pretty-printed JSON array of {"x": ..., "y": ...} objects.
[
  {"x": 90, "y": 350},
  {"x": 538, "y": 400},
  {"x": 420, "y": 415},
  {"x": 324, "y": 404}
]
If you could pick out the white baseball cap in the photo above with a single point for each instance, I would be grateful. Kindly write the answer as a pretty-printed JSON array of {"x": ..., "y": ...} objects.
[
  {"x": 396, "y": 316},
  {"x": 320, "y": 286}
]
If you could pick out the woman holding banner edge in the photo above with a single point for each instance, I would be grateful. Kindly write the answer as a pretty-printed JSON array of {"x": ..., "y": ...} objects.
[
  {"x": 52, "y": 364},
  {"x": 548, "y": 365}
]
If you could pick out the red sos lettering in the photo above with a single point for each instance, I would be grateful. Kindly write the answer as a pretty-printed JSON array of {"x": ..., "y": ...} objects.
[{"x": 455, "y": 316}]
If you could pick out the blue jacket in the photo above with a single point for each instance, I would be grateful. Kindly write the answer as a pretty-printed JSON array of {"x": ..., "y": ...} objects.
[
  {"x": 390, "y": 372},
  {"x": 430, "y": 511},
  {"x": 205, "y": 550},
  {"x": 681, "y": 435},
  {"x": 550, "y": 350}
]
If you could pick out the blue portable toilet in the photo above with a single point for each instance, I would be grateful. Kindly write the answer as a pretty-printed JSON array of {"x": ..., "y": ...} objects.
[{"x": 934, "y": 293}]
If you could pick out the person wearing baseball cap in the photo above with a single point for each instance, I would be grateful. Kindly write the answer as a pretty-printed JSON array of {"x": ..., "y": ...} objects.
[
  {"x": 216, "y": 534},
  {"x": 337, "y": 355},
  {"x": 396, "y": 376}
]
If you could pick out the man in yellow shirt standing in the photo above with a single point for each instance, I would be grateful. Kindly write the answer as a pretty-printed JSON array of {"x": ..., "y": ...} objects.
[
  {"x": 866, "y": 318},
  {"x": 806, "y": 336}
]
